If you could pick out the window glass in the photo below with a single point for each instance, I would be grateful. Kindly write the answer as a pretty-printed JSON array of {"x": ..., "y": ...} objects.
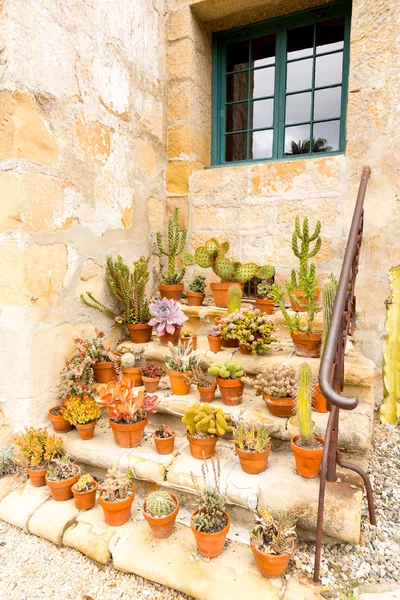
[
  {"x": 236, "y": 147},
  {"x": 300, "y": 42},
  {"x": 297, "y": 139},
  {"x": 263, "y": 51},
  {"x": 298, "y": 108},
  {"x": 327, "y": 103},
  {"x": 261, "y": 144},
  {"x": 330, "y": 35},
  {"x": 263, "y": 82},
  {"x": 326, "y": 136},
  {"x": 328, "y": 69},
  {"x": 236, "y": 116},
  {"x": 237, "y": 56},
  {"x": 262, "y": 114},
  {"x": 299, "y": 75},
  {"x": 237, "y": 86}
]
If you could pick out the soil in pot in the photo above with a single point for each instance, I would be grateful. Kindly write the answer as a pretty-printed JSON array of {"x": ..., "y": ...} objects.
[
  {"x": 60, "y": 425},
  {"x": 308, "y": 460},
  {"x": 253, "y": 462},
  {"x": 280, "y": 407},
  {"x": 319, "y": 402},
  {"x": 207, "y": 393},
  {"x": 202, "y": 446},
  {"x": 164, "y": 445},
  {"x": 140, "y": 333},
  {"x": 266, "y": 306},
  {"x": 132, "y": 375},
  {"x": 171, "y": 337},
  {"x": 195, "y": 298},
  {"x": 86, "y": 430},
  {"x": 271, "y": 565},
  {"x": 185, "y": 341},
  {"x": 117, "y": 513},
  {"x": 128, "y": 435},
  {"x": 104, "y": 372},
  {"x": 178, "y": 385},
  {"x": 231, "y": 391},
  {"x": 162, "y": 527},
  {"x": 220, "y": 292},
  {"x": 302, "y": 298},
  {"x": 211, "y": 544},
  {"x": 85, "y": 500},
  {"x": 62, "y": 490},
  {"x": 37, "y": 476},
  {"x": 215, "y": 343},
  {"x": 307, "y": 344},
  {"x": 150, "y": 383},
  {"x": 171, "y": 292}
]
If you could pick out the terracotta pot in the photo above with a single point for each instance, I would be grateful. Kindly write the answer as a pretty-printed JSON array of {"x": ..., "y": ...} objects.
[
  {"x": 37, "y": 476},
  {"x": 220, "y": 292},
  {"x": 62, "y": 490},
  {"x": 128, "y": 435},
  {"x": 171, "y": 292},
  {"x": 195, "y": 298},
  {"x": 307, "y": 344},
  {"x": 139, "y": 333},
  {"x": 164, "y": 445},
  {"x": 231, "y": 390},
  {"x": 60, "y": 425},
  {"x": 185, "y": 341},
  {"x": 230, "y": 343},
  {"x": 162, "y": 527},
  {"x": 266, "y": 306},
  {"x": 243, "y": 350},
  {"x": 150, "y": 383},
  {"x": 86, "y": 430},
  {"x": 178, "y": 385},
  {"x": 171, "y": 337},
  {"x": 319, "y": 401},
  {"x": 85, "y": 500},
  {"x": 132, "y": 375},
  {"x": 210, "y": 544},
  {"x": 308, "y": 461},
  {"x": 202, "y": 447},
  {"x": 207, "y": 393},
  {"x": 253, "y": 462},
  {"x": 271, "y": 565},
  {"x": 215, "y": 343},
  {"x": 301, "y": 296},
  {"x": 104, "y": 372},
  {"x": 280, "y": 407},
  {"x": 117, "y": 513}
]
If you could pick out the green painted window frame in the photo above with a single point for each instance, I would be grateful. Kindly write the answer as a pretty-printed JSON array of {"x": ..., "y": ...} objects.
[{"x": 279, "y": 27}]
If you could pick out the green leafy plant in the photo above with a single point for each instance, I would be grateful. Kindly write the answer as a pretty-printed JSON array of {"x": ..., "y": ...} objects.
[
  {"x": 79, "y": 410},
  {"x": 229, "y": 370},
  {"x": 159, "y": 504},
  {"x": 116, "y": 485},
  {"x": 329, "y": 289},
  {"x": 181, "y": 358},
  {"x": 273, "y": 536},
  {"x": 211, "y": 515},
  {"x": 176, "y": 242},
  {"x": 303, "y": 405},
  {"x": 7, "y": 464},
  {"x": 198, "y": 284},
  {"x": 250, "y": 437},
  {"x": 278, "y": 382},
  {"x": 252, "y": 328},
  {"x": 37, "y": 447},
  {"x": 390, "y": 409},
  {"x": 264, "y": 289},
  {"x": 61, "y": 468},
  {"x": 205, "y": 419},
  {"x": 84, "y": 483},
  {"x": 296, "y": 322},
  {"x": 305, "y": 252}
]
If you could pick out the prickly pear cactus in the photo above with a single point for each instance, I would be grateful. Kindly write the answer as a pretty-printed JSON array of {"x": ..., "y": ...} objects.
[{"x": 390, "y": 409}]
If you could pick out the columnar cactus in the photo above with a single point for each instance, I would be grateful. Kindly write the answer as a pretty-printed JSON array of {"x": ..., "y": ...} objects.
[
  {"x": 390, "y": 409},
  {"x": 176, "y": 244},
  {"x": 328, "y": 300},
  {"x": 159, "y": 504},
  {"x": 234, "y": 299},
  {"x": 304, "y": 253},
  {"x": 303, "y": 403}
]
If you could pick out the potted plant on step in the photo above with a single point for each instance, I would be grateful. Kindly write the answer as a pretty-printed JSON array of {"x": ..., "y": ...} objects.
[
  {"x": 272, "y": 542},
  {"x": 253, "y": 330},
  {"x": 210, "y": 523},
  {"x": 82, "y": 412},
  {"x": 164, "y": 439},
  {"x": 61, "y": 476},
  {"x": 116, "y": 497},
  {"x": 204, "y": 424},
  {"x": 307, "y": 448},
  {"x": 297, "y": 292},
  {"x": 189, "y": 336},
  {"x": 229, "y": 381},
  {"x": 206, "y": 385},
  {"x": 278, "y": 389},
  {"x": 215, "y": 339},
  {"x": 253, "y": 446},
  {"x": 180, "y": 363},
  {"x": 196, "y": 295},
  {"x": 264, "y": 299},
  {"x": 160, "y": 510},
  {"x": 151, "y": 375},
  {"x": 131, "y": 364},
  {"x": 167, "y": 320},
  {"x": 36, "y": 449},
  {"x": 234, "y": 304},
  {"x": 84, "y": 491},
  {"x": 171, "y": 286},
  {"x": 105, "y": 363}
]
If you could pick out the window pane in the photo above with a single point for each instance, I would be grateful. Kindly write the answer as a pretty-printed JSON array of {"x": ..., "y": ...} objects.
[
  {"x": 298, "y": 108},
  {"x": 299, "y": 75},
  {"x": 330, "y": 35},
  {"x": 300, "y": 42},
  {"x": 236, "y": 147},
  {"x": 261, "y": 144},
  {"x": 297, "y": 139},
  {"x": 263, "y": 114},
  {"x": 236, "y": 116},
  {"x": 263, "y": 82},
  {"x": 327, "y": 103},
  {"x": 237, "y": 86},
  {"x": 328, "y": 69},
  {"x": 237, "y": 56},
  {"x": 263, "y": 51},
  {"x": 326, "y": 136}
]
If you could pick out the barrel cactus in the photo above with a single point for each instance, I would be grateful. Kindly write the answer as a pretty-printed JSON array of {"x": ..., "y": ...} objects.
[{"x": 159, "y": 504}]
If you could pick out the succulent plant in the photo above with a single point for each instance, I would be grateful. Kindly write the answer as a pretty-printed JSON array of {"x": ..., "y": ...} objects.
[
  {"x": 273, "y": 536},
  {"x": 303, "y": 404},
  {"x": 305, "y": 252},
  {"x": 176, "y": 243},
  {"x": 328, "y": 300},
  {"x": 152, "y": 370},
  {"x": 130, "y": 360},
  {"x": 37, "y": 446},
  {"x": 79, "y": 410},
  {"x": 181, "y": 358},
  {"x": 264, "y": 289},
  {"x": 116, "y": 485},
  {"x": 251, "y": 327},
  {"x": 159, "y": 504},
  {"x": 124, "y": 404},
  {"x": 188, "y": 333},
  {"x": 85, "y": 483},
  {"x": 229, "y": 370},
  {"x": 216, "y": 330},
  {"x": 297, "y": 323},
  {"x": 235, "y": 295},
  {"x": 206, "y": 419},
  {"x": 251, "y": 437},
  {"x": 390, "y": 409},
  {"x": 211, "y": 516},
  {"x": 164, "y": 431},
  {"x": 198, "y": 284},
  {"x": 61, "y": 468},
  {"x": 167, "y": 314},
  {"x": 200, "y": 378},
  {"x": 278, "y": 382},
  {"x": 7, "y": 465}
]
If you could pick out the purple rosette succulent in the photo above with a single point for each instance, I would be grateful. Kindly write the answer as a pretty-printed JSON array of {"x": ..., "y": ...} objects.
[{"x": 167, "y": 315}]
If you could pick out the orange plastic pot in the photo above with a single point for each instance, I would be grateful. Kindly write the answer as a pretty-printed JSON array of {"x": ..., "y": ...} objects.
[
  {"x": 132, "y": 375},
  {"x": 128, "y": 435},
  {"x": 86, "y": 430},
  {"x": 171, "y": 337},
  {"x": 271, "y": 565},
  {"x": 210, "y": 544},
  {"x": 162, "y": 527},
  {"x": 62, "y": 490},
  {"x": 195, "y": 298},
  {"x": 308, "y": 461},
  {"x": 202, "y": 447},
  {"x": 303, "y": 303},
  {"x": 185, "y": 341},
  {"x": 231, "y": 391},
  {"x": 280, "y": 407},
  {"x": 177, "y": 380},
  {"x": 253, "y": 462},
  {"x": 140, "y": 333},
  {"x": 207, "y": 393},
  {"x": 37, "y": 476},
  {"x": 150, "y": 383},
  {"x": 85, "y": 500},
  {"x": 171, "y": 292},
  {"x": 117, "y": 513},
  {"x": 307, "y": 344},
  {"x": 319, "y": 401},
  {"x": 104, "y": 372},
  {"x": 220, "y": 292},
  {"x": 60, "y": 425},
  {"x": 164, "y": 445},
  {"x": 266, "y": 306},
  {"x": 215, "y": 343}
]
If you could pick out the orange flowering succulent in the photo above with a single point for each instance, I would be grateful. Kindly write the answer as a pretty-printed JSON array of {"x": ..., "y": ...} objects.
[
  {"x": 124, "y": 405},
  {"x": 37, "y": 446}
]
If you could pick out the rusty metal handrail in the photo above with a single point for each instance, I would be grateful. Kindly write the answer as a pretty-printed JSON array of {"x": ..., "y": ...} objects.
[{"x": 331, "y": 373}]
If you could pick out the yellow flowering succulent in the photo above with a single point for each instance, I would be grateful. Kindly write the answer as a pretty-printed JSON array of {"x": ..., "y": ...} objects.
[
  {"x": 37, "y": 447},
  {"x": 79, "y": 410}
]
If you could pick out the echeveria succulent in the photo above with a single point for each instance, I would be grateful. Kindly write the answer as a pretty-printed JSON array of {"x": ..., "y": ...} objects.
[{"x": 167, "y": 314}]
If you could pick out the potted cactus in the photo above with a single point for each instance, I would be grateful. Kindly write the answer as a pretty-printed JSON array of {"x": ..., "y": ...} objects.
[
  {"x": 299, "y": 282},
  {"x": 253, "y": 446},
  {"x": 189, "y": 336},
  {"x": 105, "y": 363},
  {"x": 251, "y": 328},
  {"x": 56, "y": 418},
  {"x": 164, "y": 439},
  {"x": 180, "y": 362},
  {"x": 167, "y": 320},
  {"x": 215, "y": 339},
  {"x": 196, "y": 295},
  {"x": 272, "y": 542},
  {"x": 151, "y": 375},
  {"x": 264, "y": 300},
  {"x": 131, "y": 364},
  {"x": 61, "y": 476},
  {"x": 160, "y": 510},
  {"x": 278, "y": 389},
  {"x": 307, "y": 448},
  {"x": 36, "y": 449},
  {"x": 84, "y": 491},
  {"x": 234, "y": 303},
  {"x": 206, "y": 385},
  {"x": 116, "y": 497},
  {"x": 172, "y": 288},
  {"x": 204, "y": 424},
  {"x": 229, "y": 381},
  {"x": 82, "y": 412}
]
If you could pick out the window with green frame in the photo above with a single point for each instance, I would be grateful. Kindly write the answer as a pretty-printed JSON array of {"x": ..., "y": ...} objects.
[{"x": 280, "y": 87}]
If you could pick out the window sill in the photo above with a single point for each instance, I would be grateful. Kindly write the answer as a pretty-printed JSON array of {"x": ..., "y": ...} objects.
[{"x": 246, "y": 163}]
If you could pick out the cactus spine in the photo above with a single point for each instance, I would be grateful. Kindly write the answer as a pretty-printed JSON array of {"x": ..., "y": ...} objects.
[
  {"x": 304, "y": 253},
  {"x": 159, "y": 504},
  {"x": 303, "y": 403},
  {"x": 176, "y": 244},
  {"x": 390, "y": 409},
  {"x": 328, "y": 300},
  {"x": 234, "y": 299}
]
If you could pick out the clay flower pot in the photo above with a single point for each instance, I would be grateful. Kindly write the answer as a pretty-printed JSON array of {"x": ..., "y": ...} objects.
[
  {"x": 132, "y": 375},
  {"x": 319, "y": 403},
  {"x": 128, "y": 435},
  {"x": 266, "y": 306},
  {"x": 104, "y": 372},
  {"x": 253, "y": 462},
  {"x": 171, "y": 337},
  {"x": 140, "y": 333},
  {"x": 230, "y": 343},
  {"x": 62, "y": 490},
  {"x": 308, "y": 461},
  {"x": 202, "y": 447},
  {"x": 86, "y": 430},
  {"x": 307, "y": 344},
  {"x": 210, "y": 544},
  {"x": 195, "y": 298},
  {"x": 150, "y": 383},
  {"x": 243, "y": 349},
  {"x": 207, "y": 393},
  {"x": 60, "y": 425},
  {"x": 117, "y": 513},
  {"x": 178, "y": 385},
  {"x": 162, "y": 527},
  {"x": 302, "y": 298},
  {"x": 85, "y": 500},
  {"x": 231, "y": 391},
  {"x": 37, "y": 476},
  {"x": 215, "y": 342},
  {"x": 164, "y": 445},
  {"x": 220, "y": 292},
  {"x": 271, "y": 565},
  {"x": 185, "y": 341},
  {"x": 171, "y": 292},
  {"x": 280, "y": 407}
]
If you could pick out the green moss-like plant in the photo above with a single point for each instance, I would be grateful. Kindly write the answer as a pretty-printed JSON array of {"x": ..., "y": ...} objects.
[
  {"x": 175, "y": 244},
  {"x": 390, "y": 409}
]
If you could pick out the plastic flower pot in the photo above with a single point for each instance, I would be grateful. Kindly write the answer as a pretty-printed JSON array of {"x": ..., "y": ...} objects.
[
  {"x": 37, "y": 476},
  {"x": 132, "y": 375},
  {"x": 185, "y": 341},
  {"x": 253, "y": 462},
  {"x": 202, "y": 447},
  {"x": 307, "y": 344},
  {"x": 195, "y": 298},
  {"x": 140, "y": 333},
  {"x": 162, "y": 527},
  {"x": 271, "y": 565},
  {"x": 171, "y": 337},
  {"x": 308, "y": 460},
  {"x": 117, "y": 513},
  {"x": 280, "y": 407},
  {"x": 85, "y": 500},
  {"x": 171, "y": 292},
  {"x": 164, "y": 445},
  {"x": 60, "y": 425},
  {"x": 220, "y": 292},
  {"x": 319, "y": 403},
  {"x": 104, "y": 372},
  {"x": 207, "y": 393},
  {"x": 302, "y": 298},
  {"x": 62, "y": 490},
  {"x": 177, "y": 380},
  {"x": 86, "y": 430},
  {"x": 128, "y": 435},
  {"x": 210, "y": 544},
  {"x": 231, "y": 390},
  {"x": 266, "y": 306},
  {"x": 150, "y": 383},
  {"x": 215, "y": 343}
]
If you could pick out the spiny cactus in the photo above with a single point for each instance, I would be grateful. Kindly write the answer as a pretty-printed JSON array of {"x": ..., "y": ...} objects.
[
  {"x": 251, "y": 437},
  {"x": 278, "y": 382},
  {"x": 206, "y": 419},
  {"x": 198, "y": 284},
  {"x": 130, "y": 360},
  {"x": 84, "y": 483},
  {"x": 116, "y": 485},
  {"x": 159, "y": 504},
  {"x": 61, "y": 468},
  {"x": 305, "y": 252},
  {"x": 176, "y": 243},
  {"x": 303, "y": 403},
  {"x": 234, "y": 299},
  {"x": 229, "y": 370},
  {"x": 328, "y": 300},
  {"x": 390, "y": 409}
]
